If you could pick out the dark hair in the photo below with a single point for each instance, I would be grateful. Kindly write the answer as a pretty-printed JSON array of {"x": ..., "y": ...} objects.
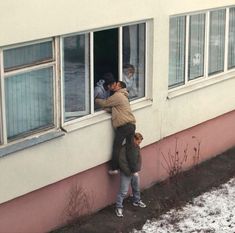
[
  {"x": 108, "y": 79},
  {"x": 122, "y": 84}
]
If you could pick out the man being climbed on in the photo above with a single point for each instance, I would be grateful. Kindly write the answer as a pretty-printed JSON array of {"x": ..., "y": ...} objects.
[{"x": 129, "y": 168}]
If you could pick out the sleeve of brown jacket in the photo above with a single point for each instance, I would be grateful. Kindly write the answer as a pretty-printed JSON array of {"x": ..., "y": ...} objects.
[{"x": 109, "y": 102}]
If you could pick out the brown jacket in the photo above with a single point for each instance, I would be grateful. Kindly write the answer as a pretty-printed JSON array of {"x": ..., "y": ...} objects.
[{"x": 121, "y": 110}]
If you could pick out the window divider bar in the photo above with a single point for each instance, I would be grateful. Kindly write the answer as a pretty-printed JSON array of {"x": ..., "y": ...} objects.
[
  {"x": 3, "y": 134},
  {"x": 146, "y": 71},
  {"x": 61, "y": 82},
  {"x": 57, "y": 93},
  {"x": 120, "y": 36},
  {"x": 91, "y": 53}
]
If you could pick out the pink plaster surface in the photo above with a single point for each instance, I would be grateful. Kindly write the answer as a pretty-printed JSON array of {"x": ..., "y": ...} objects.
[{"x": 52, "y": 206}]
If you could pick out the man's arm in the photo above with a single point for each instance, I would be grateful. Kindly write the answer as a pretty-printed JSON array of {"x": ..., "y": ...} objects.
[{"x": 109, "y": 102}]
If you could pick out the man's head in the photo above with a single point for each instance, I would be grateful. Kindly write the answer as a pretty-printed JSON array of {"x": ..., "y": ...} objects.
[
  {"x": 128, "y": 70},
  {"x": 138, "y": 138},
  {"x": 109, "y": 81},
  {"x": 120, "y": 85}
]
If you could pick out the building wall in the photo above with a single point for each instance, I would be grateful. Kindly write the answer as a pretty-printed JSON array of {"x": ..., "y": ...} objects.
[
  {"x": 31, "y": 179},
  {"x": 55, "y": 205}
]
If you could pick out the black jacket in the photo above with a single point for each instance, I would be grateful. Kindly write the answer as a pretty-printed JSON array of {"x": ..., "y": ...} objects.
[{"x": 131, "y": 164}]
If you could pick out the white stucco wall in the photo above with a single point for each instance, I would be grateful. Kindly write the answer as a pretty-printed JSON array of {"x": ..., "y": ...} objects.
[{"x": 90, "y": 146}]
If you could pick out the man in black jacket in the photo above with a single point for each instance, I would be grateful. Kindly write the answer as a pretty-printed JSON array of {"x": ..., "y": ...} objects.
[{"x": 129, "y": 168}]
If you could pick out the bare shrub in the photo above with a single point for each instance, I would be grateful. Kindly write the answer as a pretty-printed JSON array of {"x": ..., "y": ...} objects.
[
  {"x": 196, "y": 156},
  {"x": 173, "y": 161},
  {"x": 79, "y": 203}
]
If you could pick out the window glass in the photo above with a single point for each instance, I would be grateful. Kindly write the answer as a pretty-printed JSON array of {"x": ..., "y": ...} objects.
[
  {"x": 177, "y": 51},
  {"x": 75, "y": 68},
  {"x": 1, "y": 128},
  {"x": 216, "y": 41},
  {"x": 134, "y": 60},
  {"x": 231, "y": 40},
  {"x": 27, "y": 55},
  {"x": 29, "y": 101},
  {"x": 196, "y": 46}
]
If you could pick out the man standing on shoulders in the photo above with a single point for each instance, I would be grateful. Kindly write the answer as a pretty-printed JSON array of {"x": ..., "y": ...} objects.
[{"x": 123, "y": 122}]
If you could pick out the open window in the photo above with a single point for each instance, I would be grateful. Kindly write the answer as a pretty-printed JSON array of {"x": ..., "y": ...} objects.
[{"x": 109, "y": 51}]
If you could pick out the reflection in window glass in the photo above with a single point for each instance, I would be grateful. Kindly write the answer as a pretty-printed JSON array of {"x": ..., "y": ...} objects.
[
  {"x": 177, "y": 51},
  {"x": 231, "y": 40},
  {"x": 29, "y": 101},
  {"x": 216, "y": 41},
  {"x": 76, "y": 76},
  {"x": 196, "y": 46},
  {"x": 134, "y": 60},
  {"x": 27, "y": 55}
]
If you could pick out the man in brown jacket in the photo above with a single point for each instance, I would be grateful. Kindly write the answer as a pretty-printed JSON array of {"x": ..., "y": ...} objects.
[{"x": 123, "y": 122}]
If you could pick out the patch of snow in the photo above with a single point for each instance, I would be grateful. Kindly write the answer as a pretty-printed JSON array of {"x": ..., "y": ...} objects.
[{"x": 212, "y": 212}]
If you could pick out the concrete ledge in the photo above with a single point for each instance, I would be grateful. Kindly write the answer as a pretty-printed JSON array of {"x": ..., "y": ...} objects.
[{"x": 30, "y": 142}]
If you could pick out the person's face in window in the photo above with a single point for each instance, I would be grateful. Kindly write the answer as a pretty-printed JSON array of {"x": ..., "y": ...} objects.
[
  {"x": 117, "y": 87},
  {"x": 112, "y": 86}
]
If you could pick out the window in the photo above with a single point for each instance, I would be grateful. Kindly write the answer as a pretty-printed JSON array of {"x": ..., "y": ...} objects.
[
  {"x": 231, "y": 40},
  {"x": 134, "y": 60},
  {"x": 32, "y": 88},
  {"x": 177, "y": 51},
  {"x": 216, "y": 41},
  {"x": 76, "y": 82},
  {"x": 111, "y": 49},
  {"x": 28, "y": 74},
  {"x": 197, "y": 47}
]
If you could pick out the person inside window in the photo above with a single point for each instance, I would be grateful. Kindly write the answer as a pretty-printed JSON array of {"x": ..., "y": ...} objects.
[
  {"x": 103, "y": 88},
  {"x": 129, "y": 79}
]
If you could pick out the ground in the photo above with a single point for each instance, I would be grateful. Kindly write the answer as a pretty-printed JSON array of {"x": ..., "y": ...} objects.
[{"x": 160, "y": 198}]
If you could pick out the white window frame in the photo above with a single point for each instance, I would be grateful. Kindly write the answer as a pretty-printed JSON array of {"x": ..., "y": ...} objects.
[
  {"x": 98, "y": 116},
  {"x": 206, "y": 80},
  {"x": 59, "y": 127},
  {"x": 32, "y": 67}
]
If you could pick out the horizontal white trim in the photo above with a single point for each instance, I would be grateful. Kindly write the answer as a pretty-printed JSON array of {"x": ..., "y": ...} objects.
[
  {"x": 199, "y": 84},
  {"x": 29, "y": 142},
  {"x": 101, "y": 116}
]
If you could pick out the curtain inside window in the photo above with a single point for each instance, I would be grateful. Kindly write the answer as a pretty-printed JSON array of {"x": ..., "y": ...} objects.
[
  {"x": 76, "y": 76},
  {"x": 27, "y": 55},
  {"x": 231, "y": 40},
  {"x": 177, "y": 51},
  {"x": 29, "y": 101},
  {"x": 134, "y": 58},
  {"x": 196, "y": 46},
  {"x": 216, "y": 41}
]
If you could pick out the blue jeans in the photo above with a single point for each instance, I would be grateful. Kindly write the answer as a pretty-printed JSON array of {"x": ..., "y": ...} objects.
[{"x": 125, "y": 182}]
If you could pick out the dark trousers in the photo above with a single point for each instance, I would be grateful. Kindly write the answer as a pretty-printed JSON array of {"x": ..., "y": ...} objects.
[{"x": 127, "y": 132}]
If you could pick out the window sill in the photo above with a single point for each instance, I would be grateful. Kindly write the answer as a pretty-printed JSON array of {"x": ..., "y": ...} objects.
[
  {"x": 102, "y": 116},
  {"x": 26, "y": 143},
  {"x": 199, "y": 84}
]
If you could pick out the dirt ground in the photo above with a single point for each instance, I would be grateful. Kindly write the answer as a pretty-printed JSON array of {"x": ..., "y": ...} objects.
[{"x": 160, "y": 198}]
